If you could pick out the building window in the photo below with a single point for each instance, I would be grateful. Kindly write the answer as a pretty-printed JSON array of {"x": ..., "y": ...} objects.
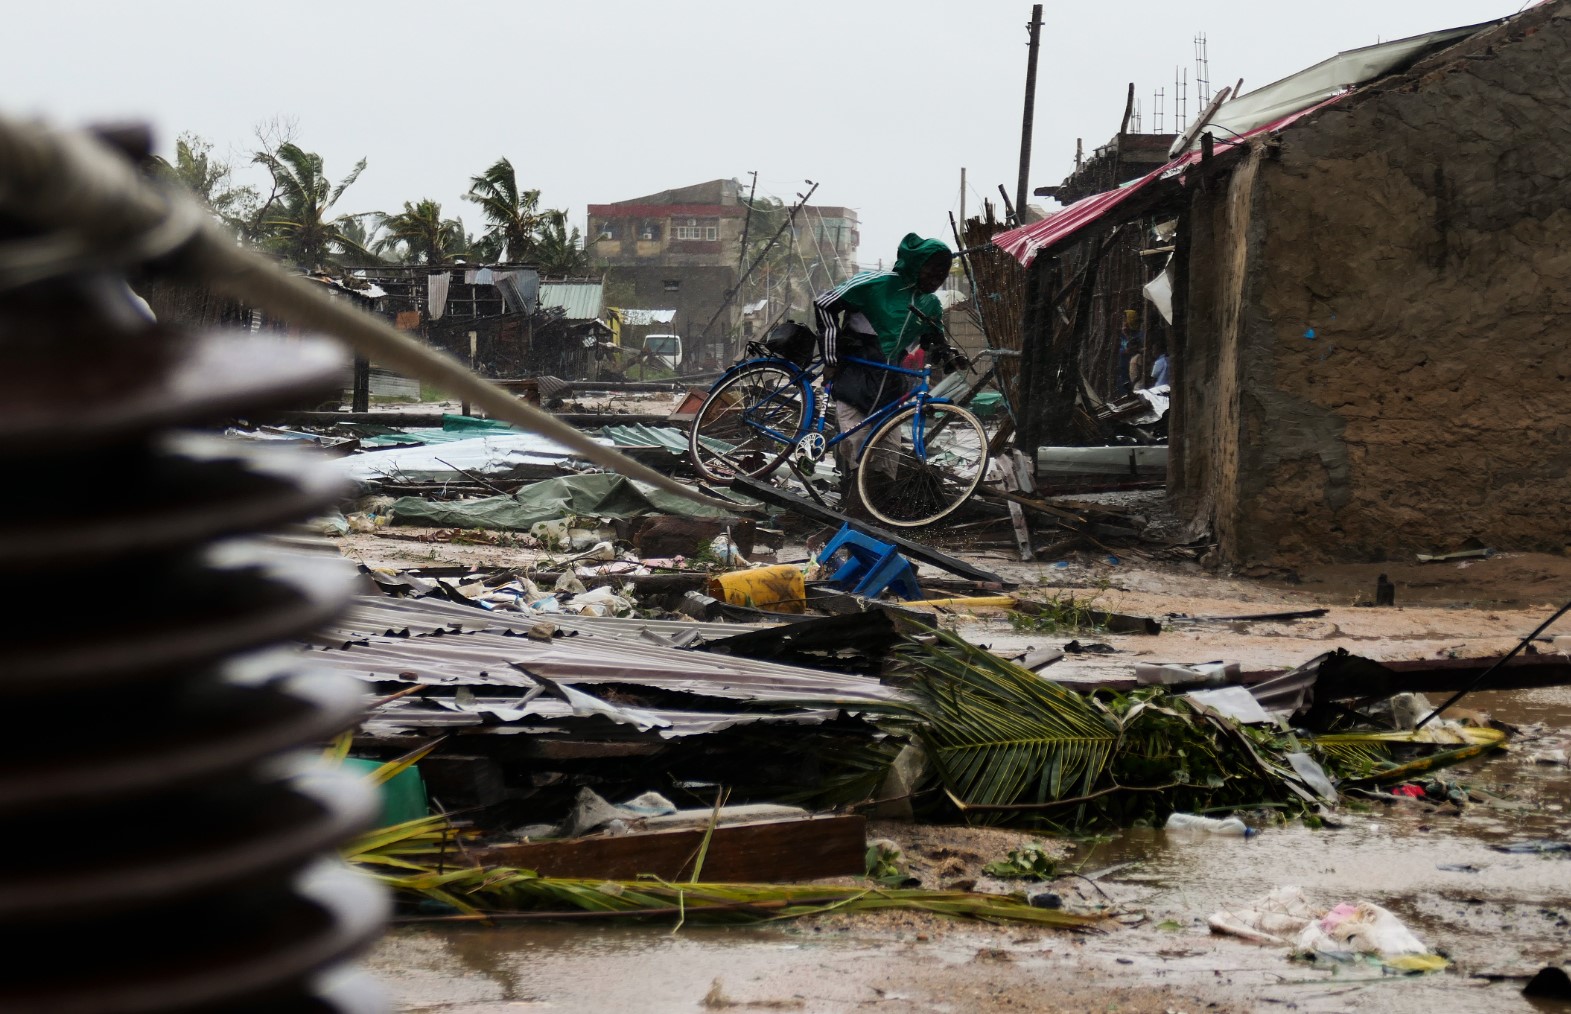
[
  {"x": 673, "y": 284},
  {"x": 648, "y": 230},
  {"x": 695, "y": 228},
  {"x": 608, "y": 229}
]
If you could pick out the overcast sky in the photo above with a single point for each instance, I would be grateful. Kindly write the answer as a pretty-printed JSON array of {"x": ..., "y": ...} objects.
[{"x": 880, "y": 101}]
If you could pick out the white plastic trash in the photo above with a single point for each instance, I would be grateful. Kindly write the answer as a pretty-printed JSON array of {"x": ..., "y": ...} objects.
[
  {"x": 1211, "y": 674},
  {"x": 1227, "y": 826}
]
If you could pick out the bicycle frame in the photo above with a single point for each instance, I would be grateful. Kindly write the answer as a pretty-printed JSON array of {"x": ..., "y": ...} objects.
[
  {"x": 816, "y": 415},
  {"x": 918, "y": 395}
]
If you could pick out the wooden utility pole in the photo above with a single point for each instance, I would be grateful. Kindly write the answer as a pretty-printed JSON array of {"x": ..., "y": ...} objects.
[
  {"x": 1030, "y": 109},
  {"x": 747, "y": 220}
]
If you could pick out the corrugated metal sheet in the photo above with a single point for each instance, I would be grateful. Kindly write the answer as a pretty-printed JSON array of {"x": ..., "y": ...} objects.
[
  {"x": 1267, "y": 109},
  {"x": 664, "y": 437},
  {"x": 578, "y": 300},
  {"x": 425, "y": 642},
  {"x": 1024, "y": 243},
  {"x": 1312, "y": 85},
  {"x": 509, "y": 716}
]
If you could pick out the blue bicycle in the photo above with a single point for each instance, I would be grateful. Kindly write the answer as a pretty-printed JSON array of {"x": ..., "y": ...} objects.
[{"x": 918, "y": 459}]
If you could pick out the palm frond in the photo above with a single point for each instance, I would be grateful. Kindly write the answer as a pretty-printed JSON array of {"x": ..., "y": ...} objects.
[
  {"x": 1442, "y": 735},
  {"x": 398, "y": 765},
  {"x": 345, "y": 183},
  {"x": 1000, "y": 734},
  {"x": 477, "y": 892}
]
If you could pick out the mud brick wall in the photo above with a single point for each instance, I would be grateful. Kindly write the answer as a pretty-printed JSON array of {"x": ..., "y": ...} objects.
[
  {"x": 1380, "y": 317},
  {"x": 1203, "y": 468}
]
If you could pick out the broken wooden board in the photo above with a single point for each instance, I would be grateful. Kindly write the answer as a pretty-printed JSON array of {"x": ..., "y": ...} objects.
[
  {"x": 773, "y": 851},
  {"x": 1022, "y": 533},
  {"x": 801, "y": 505}
]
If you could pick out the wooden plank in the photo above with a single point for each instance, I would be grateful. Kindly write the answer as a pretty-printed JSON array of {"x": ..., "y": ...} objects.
[
  {"x": 774, "y": 851},
  {"x": 1022, "y": 533},
  {"x": 801, "y": 505}
]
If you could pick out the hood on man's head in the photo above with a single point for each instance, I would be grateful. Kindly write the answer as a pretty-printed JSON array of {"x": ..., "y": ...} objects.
[{"x": 915, "y": 252}]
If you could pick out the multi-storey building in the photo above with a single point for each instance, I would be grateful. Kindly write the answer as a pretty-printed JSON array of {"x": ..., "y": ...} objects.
[{"x": 682, "y": 250}]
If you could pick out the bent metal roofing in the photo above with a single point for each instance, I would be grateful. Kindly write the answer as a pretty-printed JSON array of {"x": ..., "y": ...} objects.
[
  {"x": 419, "y": 641},
  {"x": 1260, "y": 112}
]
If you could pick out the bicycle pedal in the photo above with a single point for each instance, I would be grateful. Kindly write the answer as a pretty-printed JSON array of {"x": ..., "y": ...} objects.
[{"x": 811, "y": 448}]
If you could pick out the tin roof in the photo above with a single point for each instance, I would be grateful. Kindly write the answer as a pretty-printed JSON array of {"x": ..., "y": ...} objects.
[
  {"x": 578, "y": 300},
  {"x": 1263, "y": 111},
  {"x": 420, "y": 641}
]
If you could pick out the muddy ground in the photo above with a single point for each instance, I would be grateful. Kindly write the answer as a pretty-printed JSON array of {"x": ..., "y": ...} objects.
[{"x": 1498, "y": 916}]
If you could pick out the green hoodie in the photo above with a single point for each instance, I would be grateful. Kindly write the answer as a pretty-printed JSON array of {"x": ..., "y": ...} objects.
[{"x": 884, "y": 297}]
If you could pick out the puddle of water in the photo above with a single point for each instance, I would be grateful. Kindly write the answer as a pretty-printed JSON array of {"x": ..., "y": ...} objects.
[{"x": 1489, "y": 911}]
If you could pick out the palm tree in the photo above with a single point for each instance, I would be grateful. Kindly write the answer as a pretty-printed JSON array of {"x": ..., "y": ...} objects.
[
  {"x": 422, "y": 235},
  {"x": 558, "y": 253},
  {"x": 210, "y": 179},
  {"x": 513, "y": 214},
  {"x": 357, "y": 235},
  {"x": 296, "y": 224}
]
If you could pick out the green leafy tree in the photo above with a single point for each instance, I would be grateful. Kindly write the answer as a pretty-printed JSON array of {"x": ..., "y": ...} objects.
[
  {"x": 558, "y": 252},
  {"x": 512, "y": 214},
  {"x": 210, "y": 179},
  {"x": 295, "y": 224},
  {"x": 420, "y": 235}
]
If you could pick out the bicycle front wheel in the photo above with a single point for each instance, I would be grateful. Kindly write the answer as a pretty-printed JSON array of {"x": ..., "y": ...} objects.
[
  {"x": 749, "y": 423},
  {"x": 922, "y": 463}
]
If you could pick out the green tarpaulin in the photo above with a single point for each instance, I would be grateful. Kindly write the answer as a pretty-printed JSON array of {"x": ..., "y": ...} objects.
[{"x": 600, "y": 495}]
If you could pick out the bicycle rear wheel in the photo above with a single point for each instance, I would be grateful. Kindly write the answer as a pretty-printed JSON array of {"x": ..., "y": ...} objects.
[
  {"x": 749, "y": 422},
  {"x": 921, "y": 463}
]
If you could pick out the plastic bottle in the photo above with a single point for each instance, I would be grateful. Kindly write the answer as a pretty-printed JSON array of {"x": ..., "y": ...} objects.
[{"x": 1230, "y": 826}]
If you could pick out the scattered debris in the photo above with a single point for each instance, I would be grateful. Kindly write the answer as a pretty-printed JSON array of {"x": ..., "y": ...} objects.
[{"x": 1346, "y": 932}]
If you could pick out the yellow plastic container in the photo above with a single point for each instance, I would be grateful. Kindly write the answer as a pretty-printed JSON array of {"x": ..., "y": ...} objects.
[{"x": 780, "y": 588}]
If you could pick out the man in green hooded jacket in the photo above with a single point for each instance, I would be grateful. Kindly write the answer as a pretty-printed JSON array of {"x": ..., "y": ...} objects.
[{"x": 878, "y": 316}]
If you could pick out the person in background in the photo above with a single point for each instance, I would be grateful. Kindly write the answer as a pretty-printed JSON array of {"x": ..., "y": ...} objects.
[
  {"x": 1161, "y": 373},
  {"x": 1130, "y": 340},
  {"x": 878, "y": 316}
]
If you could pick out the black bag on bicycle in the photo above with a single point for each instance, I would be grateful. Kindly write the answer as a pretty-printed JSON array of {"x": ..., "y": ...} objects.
[{"x": 793, "y": 341}]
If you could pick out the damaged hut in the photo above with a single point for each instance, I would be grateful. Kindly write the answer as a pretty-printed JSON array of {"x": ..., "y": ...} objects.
[{"x": 1367, "y": 358}]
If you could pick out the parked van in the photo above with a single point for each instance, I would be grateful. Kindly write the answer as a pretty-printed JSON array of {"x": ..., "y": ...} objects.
[{"x": 665, "y": 349}]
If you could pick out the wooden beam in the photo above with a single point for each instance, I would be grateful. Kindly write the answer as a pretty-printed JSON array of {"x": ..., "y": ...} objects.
[
  {"x": 772, "y": 851},
  {"x": 1022, "y": 533}
]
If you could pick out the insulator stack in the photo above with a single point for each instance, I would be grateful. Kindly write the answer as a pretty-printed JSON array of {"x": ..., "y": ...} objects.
[{"x": 170, "y": 824}]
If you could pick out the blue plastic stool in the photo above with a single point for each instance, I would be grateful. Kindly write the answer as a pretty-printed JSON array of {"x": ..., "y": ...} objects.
[{"x": 871, "y": 566}]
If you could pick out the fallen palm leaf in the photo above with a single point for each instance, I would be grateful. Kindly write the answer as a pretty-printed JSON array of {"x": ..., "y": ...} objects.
[
  {"x": 482, "y": 892},
  {"x": 1010, "y": 743},
  {"x": 1423, "y": 765},
  {"x": 1001, "y": 734},
  {"x": 1454, "y": 735},
  {"x": 478, "y": 893}
]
